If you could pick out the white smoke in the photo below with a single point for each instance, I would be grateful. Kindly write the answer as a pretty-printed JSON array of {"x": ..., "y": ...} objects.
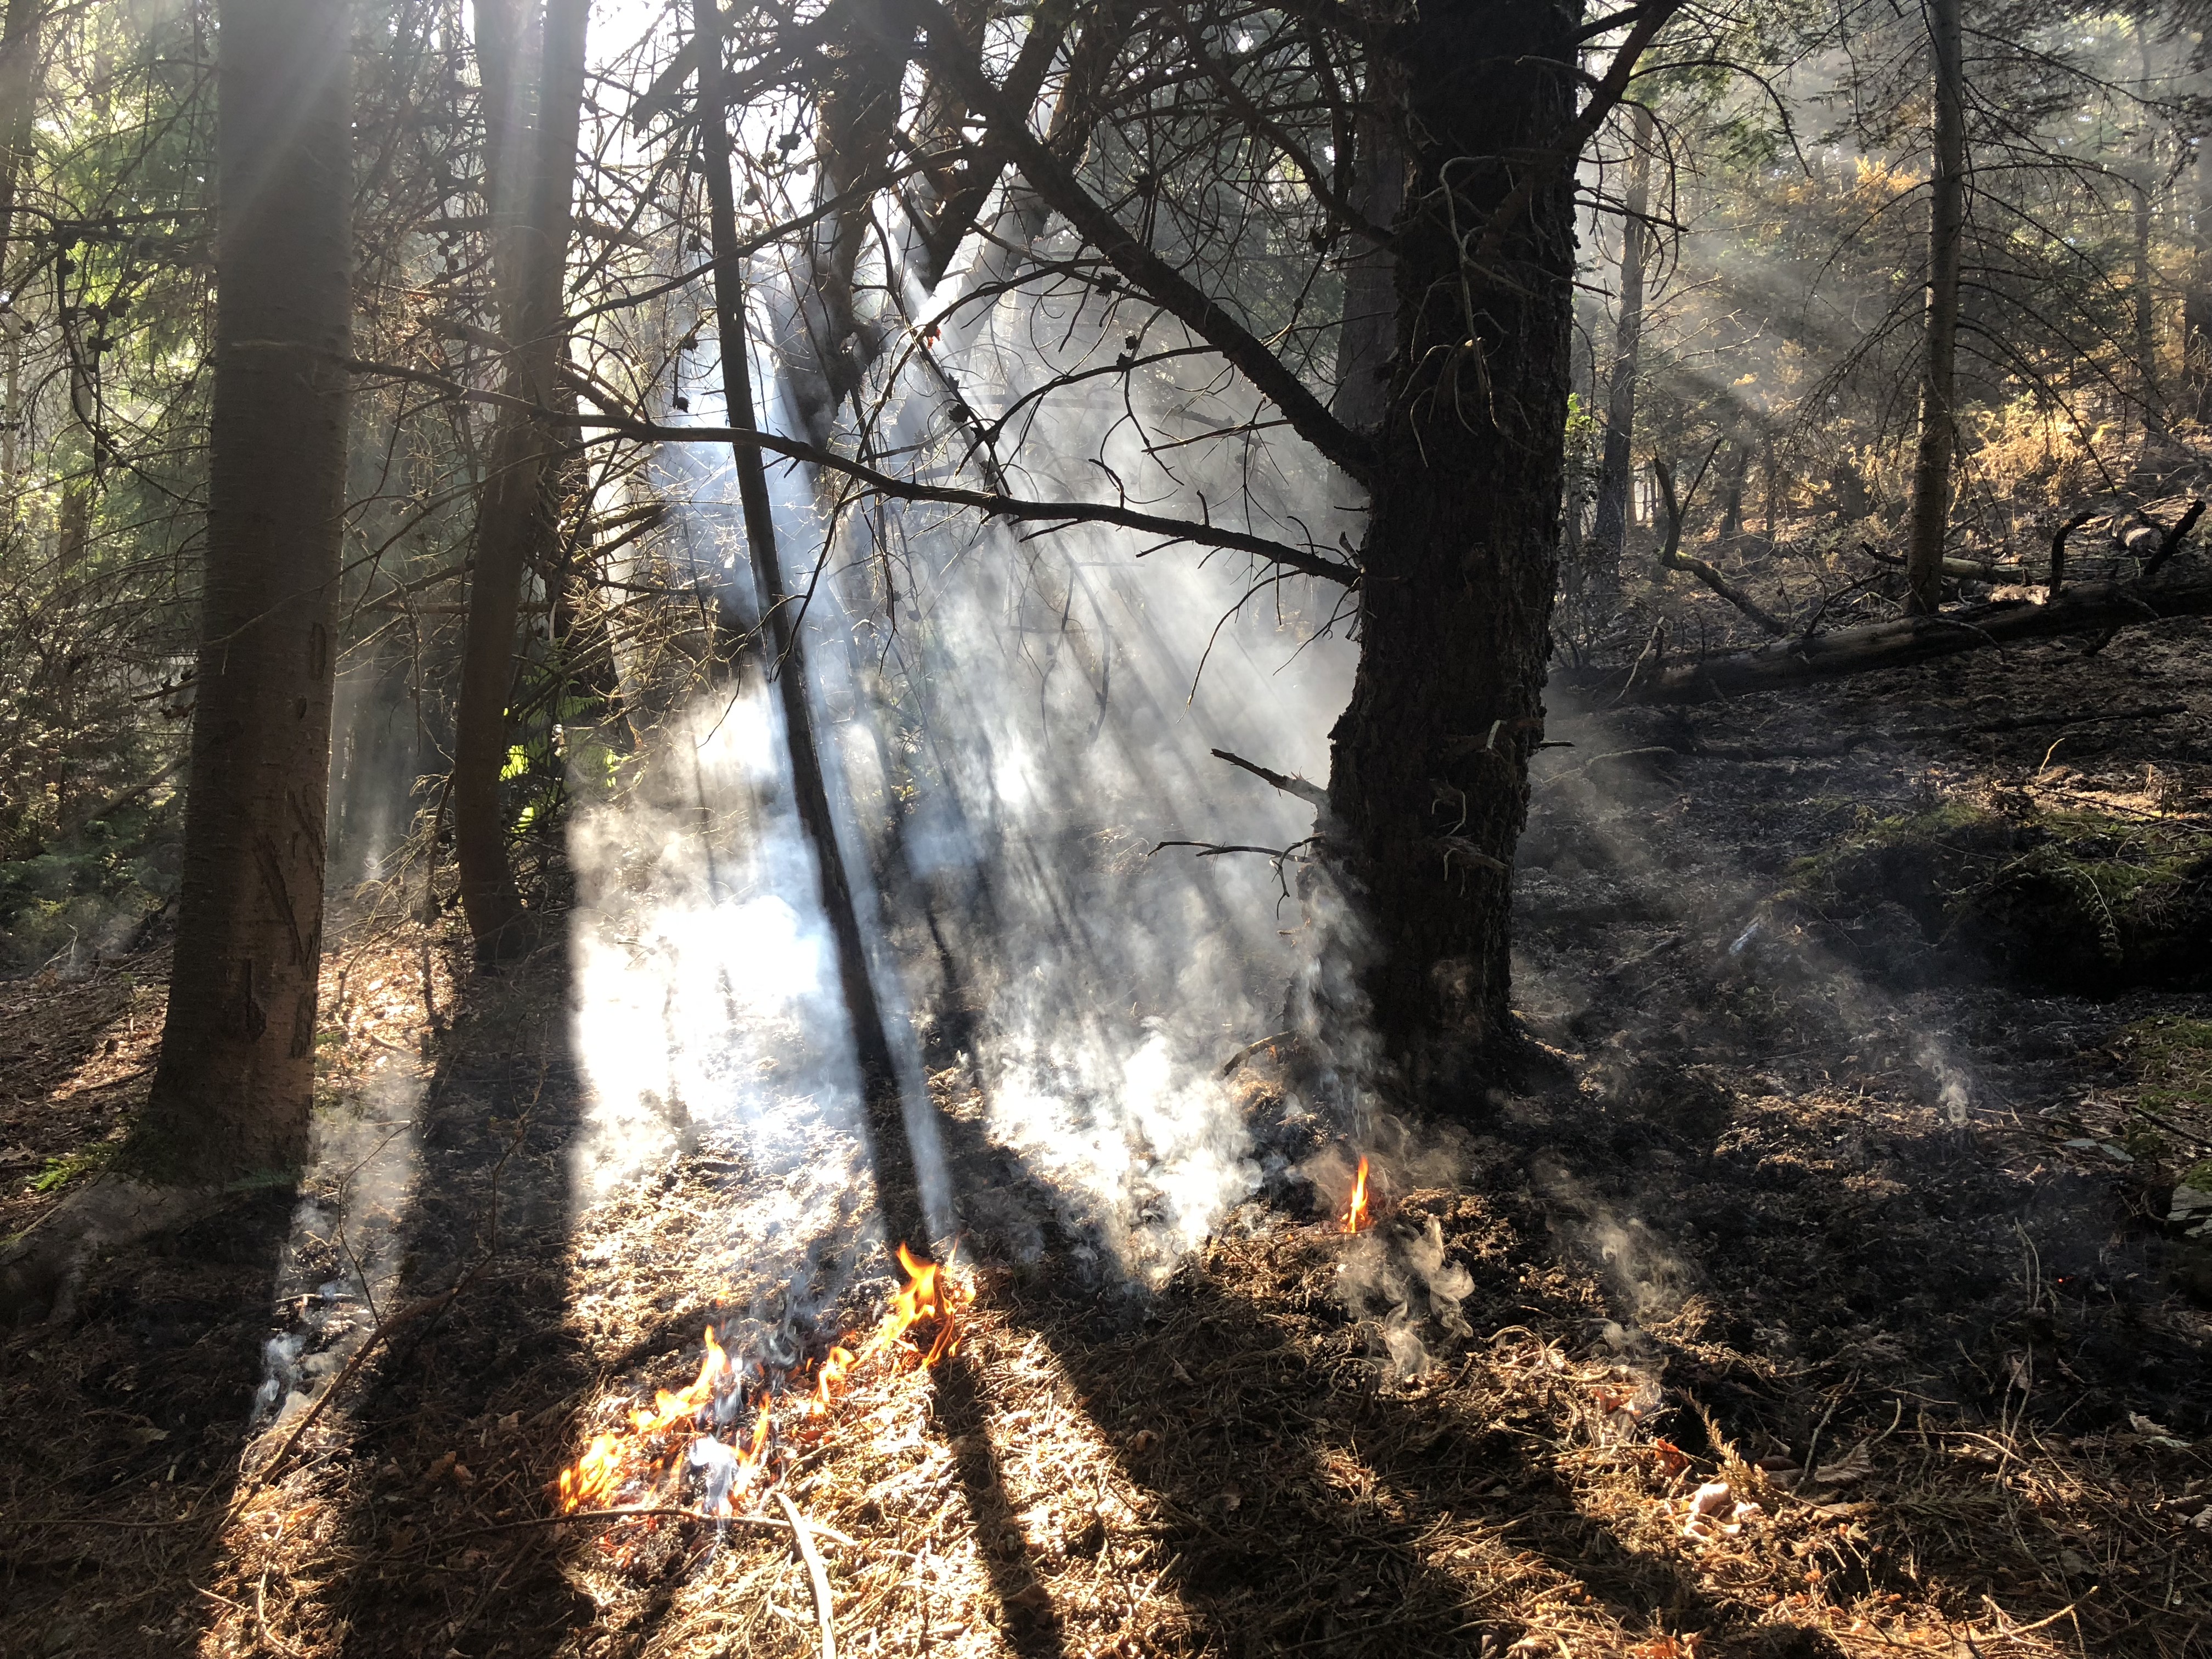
[
  {"x": 342, "y": 1259},
  {"x": 1013, "y": 722}
]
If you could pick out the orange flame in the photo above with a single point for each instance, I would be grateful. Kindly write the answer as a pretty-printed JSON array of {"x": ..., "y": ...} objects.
[
  {"x": 1356, "y": 1216},
  {"x": 612, "y": 1461}
]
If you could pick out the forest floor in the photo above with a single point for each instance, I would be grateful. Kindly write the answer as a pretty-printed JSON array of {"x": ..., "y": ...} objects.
[{"x": 1816, "y": 1298}]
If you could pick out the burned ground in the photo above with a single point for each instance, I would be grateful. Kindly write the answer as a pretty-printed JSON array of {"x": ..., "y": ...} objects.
[{"x": 1864, "y": 1221}]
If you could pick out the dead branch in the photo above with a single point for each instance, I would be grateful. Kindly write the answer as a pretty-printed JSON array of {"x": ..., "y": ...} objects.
[
  {"x": 990, "y": 505},
  {"x": 2058, "y": 547},
  {"x": 1055, "y": 183},
  {"x": 1312, "y": 793},
  {"x": 2089, "y": 609},
  {"x": 818, "y": 1576},
  {"x": 1974, "y": 570},
  {"x": 1672, "y": 556},
  {"x": 768, "y": 1523},
  {"x": 2170, "y": 543}
]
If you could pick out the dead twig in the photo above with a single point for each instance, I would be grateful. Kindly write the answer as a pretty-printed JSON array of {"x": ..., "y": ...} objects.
[
  {"x": 771, "y": 1523},
  {"x": 261, "y": 1599},
  {"x": 818, "y": 1576},
  {"x": 2169, "y": 544},
  {"x": 1313, "y": 793}
]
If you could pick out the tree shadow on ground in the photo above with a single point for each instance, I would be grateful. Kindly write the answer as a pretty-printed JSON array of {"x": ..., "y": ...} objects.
[
  {"x": 446, "y": 1434},
  {"x": 1301, "y": 1506},
  {"x": 125, "y": 1427}
]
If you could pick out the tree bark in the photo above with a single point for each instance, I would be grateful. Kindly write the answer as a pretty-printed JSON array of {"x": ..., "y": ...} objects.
[
  {"x": 532, "y": 186},
  {"x": 19, "y": 80},
  {"x": 1616, "y": 468},
  {"x": 2144, "y": 184},
  {"x": 897, "y": 1186},
  {"x": 1428, "y": 790},
  {"x": 1947, "y": 217},
  {"x": 232, "y": 1092},
  {"x": 19, "y": 85},
  {"x": 2196, "y": 298},
  {"x": 1371, "y": 301}
]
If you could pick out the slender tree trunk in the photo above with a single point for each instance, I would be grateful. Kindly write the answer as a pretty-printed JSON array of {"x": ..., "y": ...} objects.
[
  {"x": 2196, "y": 302},
  {"x": 19, "y": 81},
  {"x": 532, "y": 186},
  {"x": 232, "y": 1093},
  {"x": 897, "y": 1188},
  {"x": 1770, "y": 483},
  {"x": 1733, "y": 478},
  {"x": 2146, "y": 308},
  {"x": 1616, "y": 468},
  {"x": 19, "y": 86},
  {"x": 1947, "y": 220},
  {"x": 1428, "y": 790},
  {"x": 1370, "y": 299}
]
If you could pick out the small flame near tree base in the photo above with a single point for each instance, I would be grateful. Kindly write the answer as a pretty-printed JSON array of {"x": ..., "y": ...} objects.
[
  {"x": 1357, "y": 1216},
  {"x": 704, "y": 1427}
]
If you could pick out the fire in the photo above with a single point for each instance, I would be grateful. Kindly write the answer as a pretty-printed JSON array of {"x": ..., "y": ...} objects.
[
  {"x": 1356, "y": 1216},
  {"x": 642, "y": 1467}
]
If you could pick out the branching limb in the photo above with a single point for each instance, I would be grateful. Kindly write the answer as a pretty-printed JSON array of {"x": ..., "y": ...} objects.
[
  {"x": 1056, "y": 185},
  {"x": 988, "y": 502},
  {"x": 2170, "y": 543},
  {"x": 1672, "y": 556}
]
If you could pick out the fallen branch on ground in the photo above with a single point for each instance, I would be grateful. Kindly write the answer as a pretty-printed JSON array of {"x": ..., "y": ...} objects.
[
  {"x": 1974, "y": 570},
  {"x": 769, "y": 1523},
  {"x": 818, "y": 1576},
  {"x": 2089, "y": 609}
]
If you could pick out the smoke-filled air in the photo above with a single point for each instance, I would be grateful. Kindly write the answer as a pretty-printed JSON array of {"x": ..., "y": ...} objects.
[{"x": 958, "y": 830}]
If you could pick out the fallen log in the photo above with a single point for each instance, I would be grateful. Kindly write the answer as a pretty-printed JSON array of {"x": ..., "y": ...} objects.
[
  {"x": 2090, "y": 608},
  {"x": 1977, "y": 570}
]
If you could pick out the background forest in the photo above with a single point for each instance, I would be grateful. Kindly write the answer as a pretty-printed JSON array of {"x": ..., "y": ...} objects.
[{"x": 1242, "y": 829}]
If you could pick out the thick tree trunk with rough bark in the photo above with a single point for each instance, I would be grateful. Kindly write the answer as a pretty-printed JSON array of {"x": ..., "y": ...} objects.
[
  {"x": 233, "y": 1089},
  {"x": 1946, "y": 219},
  {"x": 1370, "y": 297},
  {"x": 532, "y": 182},
  {"x": 1428, "y": 790},
  {"x": 1617, "y": 466}
]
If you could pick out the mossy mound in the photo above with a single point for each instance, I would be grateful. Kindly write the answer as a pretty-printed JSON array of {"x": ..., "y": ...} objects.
[{"x": 2074, "y": 901}]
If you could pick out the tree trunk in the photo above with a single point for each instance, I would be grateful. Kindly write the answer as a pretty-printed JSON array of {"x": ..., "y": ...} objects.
[
  {"x": 1616, "y": 469},
  {"x": 232, "y": 1092},
  {"x": 531, "y": 187},
  {"x": 1947, "y": 218},
  {"x": 19, "y": 86},
  {"x": 897, "y": 1188},
  {"x": 1734, "y": 476},
  {"x": 1428, "y": 789},
  {"x": 2197, "y": 299},
  {"x": 2145, "y": 302},
  {"x": 1371, "y": 301},
  {"x": 19, "y": 81}
]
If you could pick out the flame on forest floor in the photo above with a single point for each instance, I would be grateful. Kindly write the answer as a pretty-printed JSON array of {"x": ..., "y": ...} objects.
[
  {"x": 1357, "y": 1218},
  {"x": 642, "y": 1467}
]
